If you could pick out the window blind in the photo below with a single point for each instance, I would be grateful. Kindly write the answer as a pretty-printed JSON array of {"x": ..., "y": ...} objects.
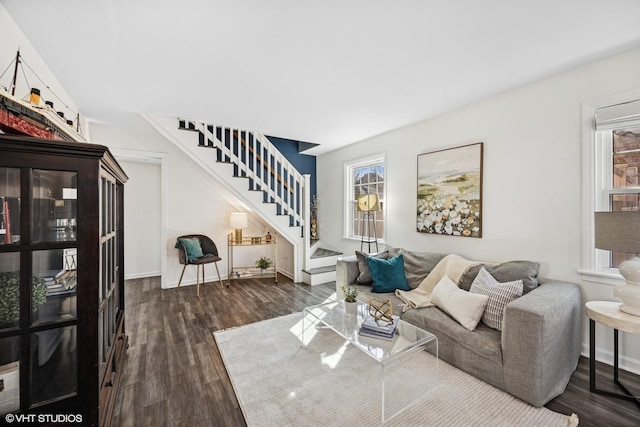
[{"x": 618, "y": 116}]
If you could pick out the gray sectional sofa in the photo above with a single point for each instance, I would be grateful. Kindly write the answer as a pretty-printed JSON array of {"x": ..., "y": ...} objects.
[{"x": 534, "y": 355}]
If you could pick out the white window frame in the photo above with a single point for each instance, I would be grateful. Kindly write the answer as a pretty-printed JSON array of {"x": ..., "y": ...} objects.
[
  {"x": 349, "y": 197},
  {"x": 596, "y": 187}
]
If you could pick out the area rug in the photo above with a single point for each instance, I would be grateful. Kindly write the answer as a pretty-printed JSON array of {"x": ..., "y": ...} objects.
[{"x": 327, "y": 382}]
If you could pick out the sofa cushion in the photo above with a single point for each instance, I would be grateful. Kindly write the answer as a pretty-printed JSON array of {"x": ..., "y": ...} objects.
[
  {"x": 364, "y": 278},
  {"x": 500, "y": 294},
  {"x": 388, "y": 274},
  {"x": 483, "y": 341},
  {"x": 465, "y": 307},
  {"x": 527, "y": 271},
  {"x": 417, "y": 265}
]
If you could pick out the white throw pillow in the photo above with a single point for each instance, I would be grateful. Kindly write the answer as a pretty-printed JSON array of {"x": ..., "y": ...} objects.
[
  {"x": 465, "y": 307},
  {"x": 500, "y": 294}
]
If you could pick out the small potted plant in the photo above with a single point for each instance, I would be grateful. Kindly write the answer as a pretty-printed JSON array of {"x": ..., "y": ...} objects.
[
  {"x": 263, "y": 263},
  {"x": 10, "y": 296},
  {"x": 350, "y": 299},
  {"x": 10, "y": 308}
]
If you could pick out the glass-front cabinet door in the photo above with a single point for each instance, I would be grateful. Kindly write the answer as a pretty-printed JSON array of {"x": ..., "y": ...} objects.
[
  {"x": 62, "y": 326},
  {"x": 38, "y": 284},
  {"x": 53, "y": 206},
  {"x": 10, "y": 275},
  {"x": 109, "y": 293}
]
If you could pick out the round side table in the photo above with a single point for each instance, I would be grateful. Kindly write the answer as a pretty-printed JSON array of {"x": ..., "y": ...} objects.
[{"x": 608, "y": 314}]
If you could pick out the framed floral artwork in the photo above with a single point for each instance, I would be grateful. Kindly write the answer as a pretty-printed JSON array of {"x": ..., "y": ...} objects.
[{"x": 450, "y": 191}]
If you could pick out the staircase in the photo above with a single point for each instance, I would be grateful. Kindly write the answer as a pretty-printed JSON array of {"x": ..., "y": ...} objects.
[
  {"x": 259, "y": 175},
  {"x": 321, "y": 266}
]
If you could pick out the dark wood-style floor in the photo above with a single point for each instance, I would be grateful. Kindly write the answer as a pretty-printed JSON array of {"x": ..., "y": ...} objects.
[{"x": 175, "y": 376}]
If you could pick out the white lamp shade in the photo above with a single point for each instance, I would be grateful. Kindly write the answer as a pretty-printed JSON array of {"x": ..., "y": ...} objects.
[{"x": 238, "y": 220}]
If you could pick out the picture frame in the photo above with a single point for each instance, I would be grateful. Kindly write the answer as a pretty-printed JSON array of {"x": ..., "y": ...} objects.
[{"x": 449, "y": 191}]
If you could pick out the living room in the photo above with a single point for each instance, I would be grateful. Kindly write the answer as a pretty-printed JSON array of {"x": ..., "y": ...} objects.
[{"x": 534, "y": 201}]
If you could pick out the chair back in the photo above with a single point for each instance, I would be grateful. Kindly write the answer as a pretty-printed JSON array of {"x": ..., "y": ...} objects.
[{"x": 207, "y": 245}]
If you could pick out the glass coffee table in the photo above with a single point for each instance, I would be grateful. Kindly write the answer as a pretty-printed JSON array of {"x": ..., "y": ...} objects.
[{"x": 402, "y": 386}]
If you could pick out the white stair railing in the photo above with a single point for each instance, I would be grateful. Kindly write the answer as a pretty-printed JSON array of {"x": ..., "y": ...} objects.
[{"x": 256, "y": 158}]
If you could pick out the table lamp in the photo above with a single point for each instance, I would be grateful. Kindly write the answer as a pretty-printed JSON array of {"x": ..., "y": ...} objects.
[
  {"x": 620, "y": 232},
  {"x": 238, "y": 221}
]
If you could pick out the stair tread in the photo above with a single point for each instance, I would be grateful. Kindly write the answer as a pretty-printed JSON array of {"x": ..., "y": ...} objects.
[
  {"x": 319, "y": 270},
  {"x": 321, "y": 253}
]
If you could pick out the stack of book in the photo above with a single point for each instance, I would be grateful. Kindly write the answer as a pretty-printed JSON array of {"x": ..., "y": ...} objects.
[{"x": 379, "y": 328}]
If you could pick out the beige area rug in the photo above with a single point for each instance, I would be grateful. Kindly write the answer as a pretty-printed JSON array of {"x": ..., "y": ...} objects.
[{"x": 327, "y": 382}]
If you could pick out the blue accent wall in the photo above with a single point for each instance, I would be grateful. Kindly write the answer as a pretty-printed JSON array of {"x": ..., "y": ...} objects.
[{"x": 304, "y": 163}]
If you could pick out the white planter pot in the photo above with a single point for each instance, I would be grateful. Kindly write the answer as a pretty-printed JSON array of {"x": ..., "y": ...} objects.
[{"x": 350, "y": 307}]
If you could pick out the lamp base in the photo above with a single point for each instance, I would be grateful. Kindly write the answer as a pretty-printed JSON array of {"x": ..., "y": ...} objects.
[
  {"x": 238, "y": 236},
  {"x": 629, "y": 292}
]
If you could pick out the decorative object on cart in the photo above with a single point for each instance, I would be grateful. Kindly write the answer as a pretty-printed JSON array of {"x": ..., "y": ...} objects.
[
  {"x": 350, "y": 299},
  {"x": 620, "y": 232},
  {"x": 198, "y": 250},
  {"x": 238, "y": 221},
  {"x": 268, "y": 237},
  {"x": 450, "y": 191},
  {"x": 10, "y": 296},
  {"x": 263, "y": 263},
  {"x": 381, "y": 310},
  {"x": 368, "y": 204}
]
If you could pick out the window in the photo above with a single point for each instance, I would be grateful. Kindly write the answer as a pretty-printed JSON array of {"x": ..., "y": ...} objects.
[
  {"x": 364, "y": 176},
  {"x": 611, "y": 172}
]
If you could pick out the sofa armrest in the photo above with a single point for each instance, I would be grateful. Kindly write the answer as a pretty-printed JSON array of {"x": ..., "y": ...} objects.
[
  {"x": 541, "y": 341},
  {"x": 346, "y": 273}
]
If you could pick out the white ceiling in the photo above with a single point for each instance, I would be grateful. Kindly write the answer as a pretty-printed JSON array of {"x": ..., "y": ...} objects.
[{"x": 331, "y": 72}]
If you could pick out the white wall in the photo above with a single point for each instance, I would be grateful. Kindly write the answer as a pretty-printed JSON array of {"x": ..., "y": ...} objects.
[
  {"x": 532, "y": 177},
  {"x": 194, "y": 203},
  {"x": 143, "y": 228}
]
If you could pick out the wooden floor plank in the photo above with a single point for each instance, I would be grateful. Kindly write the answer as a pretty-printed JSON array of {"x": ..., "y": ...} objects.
[{"x": 175, "y": 375}]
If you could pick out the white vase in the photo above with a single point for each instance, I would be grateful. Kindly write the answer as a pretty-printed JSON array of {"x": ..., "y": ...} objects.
[
  {"x": 629, "y": 292},
  {"x": 350, "y": 308}
]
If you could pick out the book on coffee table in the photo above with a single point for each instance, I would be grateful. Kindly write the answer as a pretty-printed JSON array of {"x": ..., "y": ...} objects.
[
  {"x": 380, "y": 335},
  {"x": 379, "y": 328}
]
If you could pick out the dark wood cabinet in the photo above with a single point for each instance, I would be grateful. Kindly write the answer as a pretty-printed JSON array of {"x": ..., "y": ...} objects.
[{"x": 62, "y": 326}]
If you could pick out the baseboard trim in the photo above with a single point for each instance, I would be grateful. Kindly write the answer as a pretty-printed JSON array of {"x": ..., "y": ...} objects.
[
  {"x": 605, "y": 356},
  {"x": 142, "y": 275}
]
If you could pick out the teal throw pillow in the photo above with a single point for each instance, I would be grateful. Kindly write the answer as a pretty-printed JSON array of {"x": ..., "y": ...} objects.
[
  {"x": 388, "y": 274},
  {"x": 192, "y": 245}
]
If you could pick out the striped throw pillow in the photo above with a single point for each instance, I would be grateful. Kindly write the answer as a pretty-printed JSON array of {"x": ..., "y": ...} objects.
[{"x": 500, "y": 294}]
